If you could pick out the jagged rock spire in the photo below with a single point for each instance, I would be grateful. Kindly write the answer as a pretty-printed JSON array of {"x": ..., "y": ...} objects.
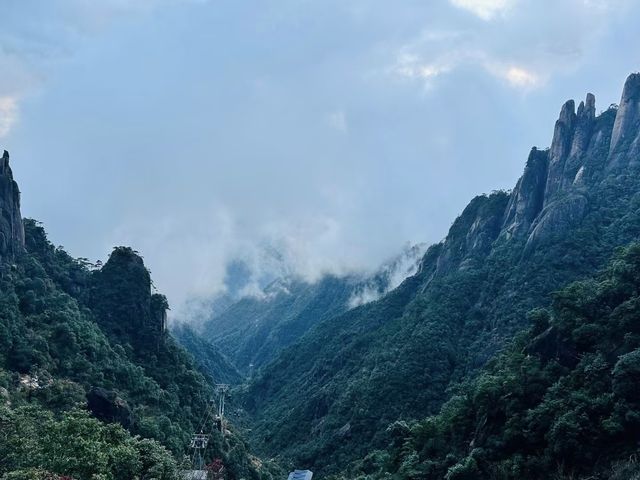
[
  {"x": 625, "y": 138},
  {"x": 560, "y": 148},
  {"x": 585, "y": 150},
  {"x": 525, "y": 202},
  {"x": 11, "y": 227}
]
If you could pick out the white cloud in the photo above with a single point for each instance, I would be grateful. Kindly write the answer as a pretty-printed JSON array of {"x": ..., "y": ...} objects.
[
  {"x": 516, "y": 76},
  {"x": 8, "y": 114},
  {"x": 520, "y": 77},
  {"x": 485, "y": 9},
  {"x": 513, "y": 51},
  {"x": 338, "y": 121},
  {"x": 412, "y": 66}
]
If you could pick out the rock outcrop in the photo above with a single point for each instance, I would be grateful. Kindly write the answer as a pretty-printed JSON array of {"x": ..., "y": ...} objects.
[
  {"x": 121, "y": 296},
  {"x": 11, "y": 227},
  {"x": 553, "y": 193},
  {"x": 527, "y": 198},
  {"x": 107, "y": 406},
  {"x": 625, "y": 139},
  {"x": 559, "y": 151},
  {"x": 473, "y": 232}
]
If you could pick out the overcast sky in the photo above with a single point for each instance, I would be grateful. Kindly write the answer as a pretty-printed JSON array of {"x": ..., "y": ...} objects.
[{"x": 332, "y": 131}]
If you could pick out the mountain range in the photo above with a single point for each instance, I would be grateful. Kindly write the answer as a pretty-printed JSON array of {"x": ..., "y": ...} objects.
[
  {"x": 509, "y": 350},
  {"x": 334, "y": 375}
]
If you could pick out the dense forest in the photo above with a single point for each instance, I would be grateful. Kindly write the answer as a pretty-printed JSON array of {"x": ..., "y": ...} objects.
[{"x": 562, "y": 402}]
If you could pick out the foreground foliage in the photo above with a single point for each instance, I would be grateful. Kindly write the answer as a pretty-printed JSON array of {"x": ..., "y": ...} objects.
[{"x": 34, "y": 442}]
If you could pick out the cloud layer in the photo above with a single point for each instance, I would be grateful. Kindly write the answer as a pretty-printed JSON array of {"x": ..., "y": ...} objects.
[{"x": 301, "y": 137}]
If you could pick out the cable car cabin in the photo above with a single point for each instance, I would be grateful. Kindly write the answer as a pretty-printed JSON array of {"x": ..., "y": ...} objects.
[
  {"x": 200, "y": 441},
  {"x": 300, "y": 475}
]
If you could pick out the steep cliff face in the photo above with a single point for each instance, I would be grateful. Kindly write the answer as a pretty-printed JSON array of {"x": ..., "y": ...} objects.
[
  {"x": 625, "y": 138},
  {"x": 553, "y": 192},
  {"x": 11, "y": 228},
  {"x": 527, "y": 198}
]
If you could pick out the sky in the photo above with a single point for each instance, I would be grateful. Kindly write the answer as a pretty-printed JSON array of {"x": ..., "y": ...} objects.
[{"x": 308, "y": 136}]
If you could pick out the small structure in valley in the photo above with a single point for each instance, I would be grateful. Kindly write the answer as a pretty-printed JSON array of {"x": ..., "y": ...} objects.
[{"x": 300, "y": 475}]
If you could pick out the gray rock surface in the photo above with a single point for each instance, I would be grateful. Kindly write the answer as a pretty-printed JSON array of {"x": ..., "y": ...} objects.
[
  {"x": 560, "y": 148},
  {"x": 527, "y": 198},
  {"x": 625, "y": 138},
  {"x": 11, "y": 227},
  {"x": 553, "y": 192}
]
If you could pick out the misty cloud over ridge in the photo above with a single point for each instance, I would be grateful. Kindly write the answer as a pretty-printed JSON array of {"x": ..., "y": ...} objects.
[{"x": 330, "y": 132}]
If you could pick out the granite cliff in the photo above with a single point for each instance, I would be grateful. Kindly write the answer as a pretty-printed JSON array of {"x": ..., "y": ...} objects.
[{"x": 11, "y": 227}]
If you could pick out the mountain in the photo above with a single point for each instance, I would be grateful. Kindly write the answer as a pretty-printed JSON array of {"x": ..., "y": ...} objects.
[
  {"x": 254, "y": 329},
  {"x": 562, "y": 402},
  {"x": 329, "y": 398},
  {"x": 91, "y": 383}
]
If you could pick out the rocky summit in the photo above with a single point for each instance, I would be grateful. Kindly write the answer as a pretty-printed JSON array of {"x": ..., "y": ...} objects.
[{"x": 11, "y": 228}]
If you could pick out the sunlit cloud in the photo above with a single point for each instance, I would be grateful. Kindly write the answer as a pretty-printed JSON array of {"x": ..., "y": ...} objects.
[
  {"x": 485, "y": 9},
  {"x": 516, "y": 76},
  {"x": 8, "y": 114},
  {"x": 338, "y": 121}
]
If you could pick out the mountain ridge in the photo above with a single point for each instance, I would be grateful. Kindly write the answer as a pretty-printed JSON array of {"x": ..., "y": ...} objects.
[{"x": 574, "y": 204}]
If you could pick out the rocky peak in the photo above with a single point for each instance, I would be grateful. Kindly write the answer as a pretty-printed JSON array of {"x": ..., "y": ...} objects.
[
  {"x": 625, "y": 139},
  {"x": 584, "y": 125},
  {"x": 553, "y": 193},
  {"x": 473, "y": 232},
  {"x": 11, "y": 227},
  {"x": 526, "y": 200},
  {"x": 121, "y": 296},
  {"x": 560, "y": 148}
]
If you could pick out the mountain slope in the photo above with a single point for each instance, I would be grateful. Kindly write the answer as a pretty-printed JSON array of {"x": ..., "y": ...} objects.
[
  {"x": 210, "y": 360},
  {"x": 562, "y": 402},
  {"x": 78, "y": 342},
  {"x": 396, "y": 358}
]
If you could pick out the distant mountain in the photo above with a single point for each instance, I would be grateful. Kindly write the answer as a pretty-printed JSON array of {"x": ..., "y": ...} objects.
[
  {"x": 329, "y": 398},
  {"x": 254, "y": 329}
]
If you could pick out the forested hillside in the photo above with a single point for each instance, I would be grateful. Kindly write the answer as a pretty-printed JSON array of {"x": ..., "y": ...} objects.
[
  {"x": 398, "y": 359},
  {"x": 91, "y": 384},
  {"x": 562, "y": 402}
]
